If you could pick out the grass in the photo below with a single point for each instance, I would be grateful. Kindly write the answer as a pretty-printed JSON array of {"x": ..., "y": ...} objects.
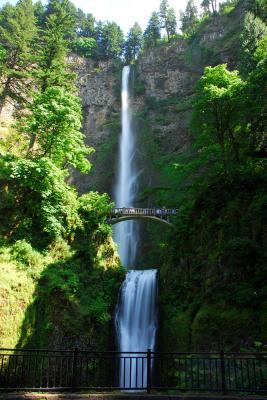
[{"x": 16, "y": 294}]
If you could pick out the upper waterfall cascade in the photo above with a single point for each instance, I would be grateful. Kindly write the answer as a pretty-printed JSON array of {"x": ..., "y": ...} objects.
[{"x": 126, "y": 234}]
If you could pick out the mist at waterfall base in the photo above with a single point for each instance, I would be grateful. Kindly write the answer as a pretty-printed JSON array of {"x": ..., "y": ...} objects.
[{"x": 136, "y": 312}]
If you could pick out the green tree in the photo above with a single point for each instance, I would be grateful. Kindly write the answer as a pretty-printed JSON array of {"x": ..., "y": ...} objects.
[
  {"x": 37, "y": 199},
  {"x": 259, "y": 8},
  {"x": 17, "y": 35},
  {"x": 53, "y": 129},
  {"x": 210, "y": 6},
  {"x": 152, "y": 31},
  {"x": 261, "y": 51},
  {"x": 167, "y": 18},
  {"x": 253, "y": 118},
  {"x": 205, "y": 4},
  {"x": 65, "y": 10},
  {"x": 133, "y": 43},
  {"x": 227, "y": 6},
  {"x": 253, "y": 31},
  {"x": 93, "y": 209},
  {"x": 85, "y": 24},
  {"x": 189, "y": 18},
  {"x": 214, "y": 5},
  {"x": 85, "y": 46},
  {"x": 88, "y": 27},
  {"x": 216, "y": 112},
  {"x": 54, "y": 43},
  {"x": 39, "y": 13},
  {"x": 113, "y": 40},
  {"x": 110, "y": 40}
]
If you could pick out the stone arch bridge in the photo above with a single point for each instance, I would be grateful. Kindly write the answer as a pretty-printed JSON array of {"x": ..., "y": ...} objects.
[{"x": 161, "y": 215}]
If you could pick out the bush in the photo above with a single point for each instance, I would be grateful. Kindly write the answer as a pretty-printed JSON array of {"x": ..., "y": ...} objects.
[
  {"x": 23, "y": 252},
  {"x": 37, "y": 198},
  {"x": 85, "y": 46}
]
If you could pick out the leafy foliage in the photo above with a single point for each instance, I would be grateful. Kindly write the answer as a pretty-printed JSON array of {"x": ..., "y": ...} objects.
[
  {"x": 213, "y": 266},
  {"x": 17, "y": 35},
  {"x": 253, "y": 31},
  {"x": 36, "y": 199},
  {"x": 152, "y": 31},
  {"x": 259, "y": 8},
  {"x": 215, "y": 111},
  {"x": 133, "y": 43},
  {"x": 85, "y": 46},
  {"x": 94, "y": 208},
  {"x": 53, "y": 47},
  {"x": 53, "y": 128},
  {"x": 209, "y": 6},
  {"x": 218, "y": 249},
  {"x": 167, "y": 18},
  {"x": 110, "y": 40},
  {"x": 85, "y": 24},
  {"x": 189, "y": 18}
]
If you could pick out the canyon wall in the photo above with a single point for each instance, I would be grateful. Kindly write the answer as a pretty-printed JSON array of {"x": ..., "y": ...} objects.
[{"x": 164, "y": 80}]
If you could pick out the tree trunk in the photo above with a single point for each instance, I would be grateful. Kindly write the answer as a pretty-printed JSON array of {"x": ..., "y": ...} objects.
[
  {"x": 213, "y": 5},
  {"x": 235, "y": 146},
  {"x": 31, "y": 144},
  {"x": 4, "y": 93},
  {"x": 168, "y": 35},
  {"x": 220, "y": 135}
]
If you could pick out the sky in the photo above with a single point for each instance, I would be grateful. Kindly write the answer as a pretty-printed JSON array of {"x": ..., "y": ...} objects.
[{"x": 124, "y": 12}]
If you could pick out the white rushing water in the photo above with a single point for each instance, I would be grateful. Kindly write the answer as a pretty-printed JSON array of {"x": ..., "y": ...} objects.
[
  {"x": 136, "y": 324},
  {"x": 136, "y": 314},
  {"x": 126, "y": 234}
]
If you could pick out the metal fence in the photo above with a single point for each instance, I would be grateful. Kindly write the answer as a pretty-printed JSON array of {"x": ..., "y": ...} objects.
[{"x": 22, "y": 369}]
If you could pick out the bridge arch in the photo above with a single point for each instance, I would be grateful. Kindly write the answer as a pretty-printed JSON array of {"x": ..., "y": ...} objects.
[
  {"x": 114, "y": 221},
  {"x": 161, "y": 215}
]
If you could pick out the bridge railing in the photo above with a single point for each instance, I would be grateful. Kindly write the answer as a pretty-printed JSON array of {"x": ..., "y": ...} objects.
[
  {"x": 46, "y": 370},
  {"x": 156, "y": 212}
]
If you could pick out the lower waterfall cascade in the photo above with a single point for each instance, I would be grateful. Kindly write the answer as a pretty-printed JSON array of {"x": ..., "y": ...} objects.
[{"x": 136, "y": 323}]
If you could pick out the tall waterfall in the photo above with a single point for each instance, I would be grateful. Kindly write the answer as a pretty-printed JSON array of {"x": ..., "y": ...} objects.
[
  {"x": 126, "y": 234},
  {"x": 136, "y": 314}
]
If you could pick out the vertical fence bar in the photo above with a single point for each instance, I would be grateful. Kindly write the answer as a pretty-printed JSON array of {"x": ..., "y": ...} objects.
[
  {"x": 148, "y": 371},
  {"x": 74, "y": 370},
  {"x": 223, "y": 372}
]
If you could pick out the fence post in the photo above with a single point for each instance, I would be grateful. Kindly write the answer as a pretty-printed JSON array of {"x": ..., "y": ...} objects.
[
  {"x": 223, "y": 372},
  {"x": 148, "y": 371},
  {"x": 74, "y": 370}
]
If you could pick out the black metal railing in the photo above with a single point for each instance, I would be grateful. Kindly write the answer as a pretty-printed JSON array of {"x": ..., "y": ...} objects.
[{"x": 22, "y": 369}]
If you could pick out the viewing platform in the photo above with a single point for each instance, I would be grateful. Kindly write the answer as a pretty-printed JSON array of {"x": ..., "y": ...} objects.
[{"x": 163, "y": 215}]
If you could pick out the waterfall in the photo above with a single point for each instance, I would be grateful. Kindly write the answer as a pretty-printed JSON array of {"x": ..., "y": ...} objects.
[
  {"x": 126, "y": 233},
  {"x": 136, "y": 313},
  {"x": 136, "y": 324}
]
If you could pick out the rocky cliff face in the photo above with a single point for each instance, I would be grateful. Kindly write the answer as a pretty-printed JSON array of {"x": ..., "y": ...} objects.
[
  {"x": 98, "y": 85},
  {"x": 164, "y": 82}
]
